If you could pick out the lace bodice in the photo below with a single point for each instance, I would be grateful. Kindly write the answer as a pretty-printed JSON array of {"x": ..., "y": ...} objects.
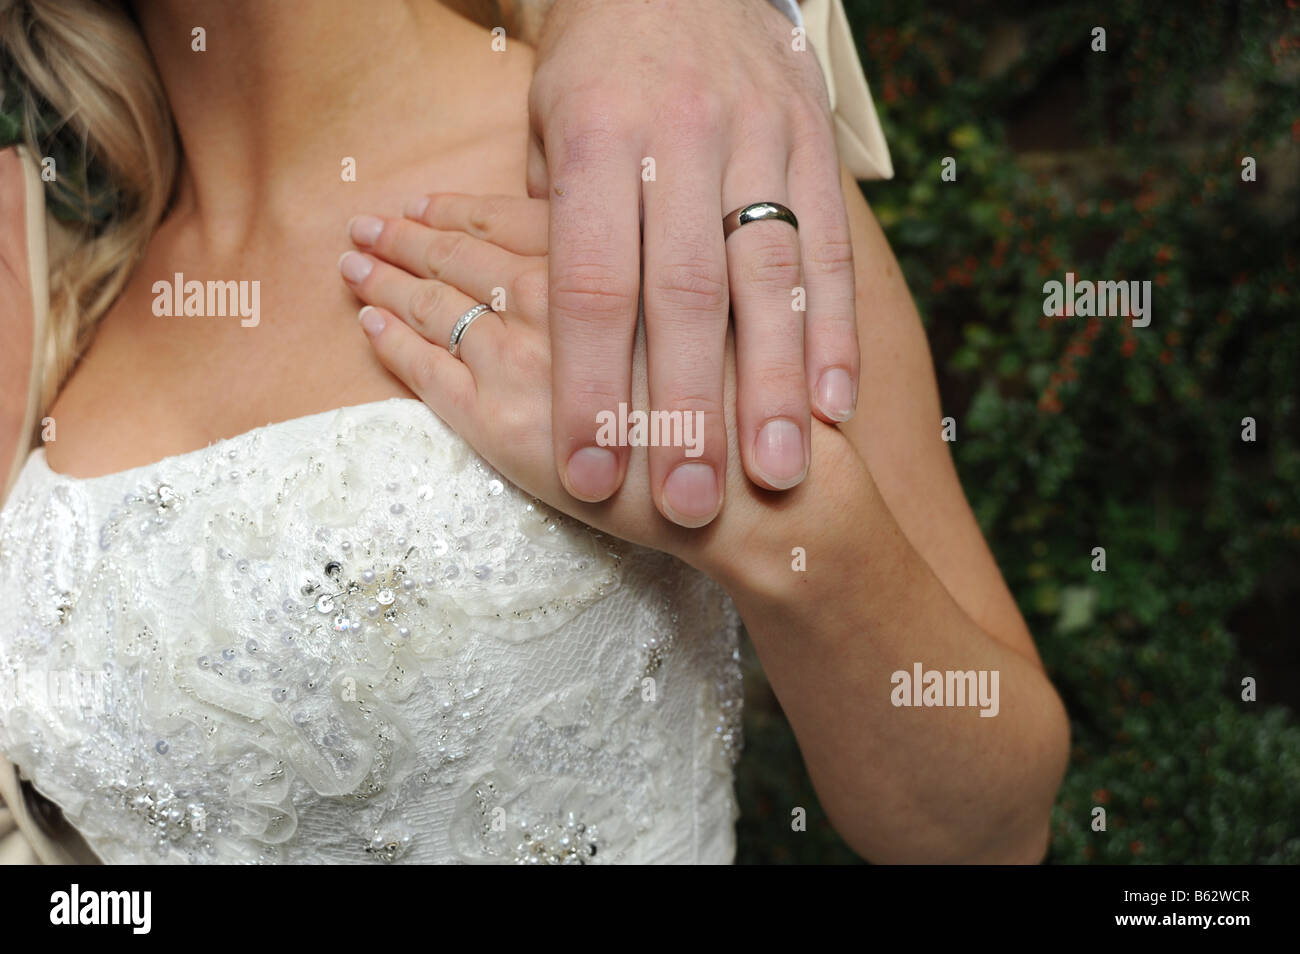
[{"x": 344, "y": 638}]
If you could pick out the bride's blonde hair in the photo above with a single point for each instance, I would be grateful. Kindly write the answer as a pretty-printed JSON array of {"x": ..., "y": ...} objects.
[{"x": 85, "y": 63}]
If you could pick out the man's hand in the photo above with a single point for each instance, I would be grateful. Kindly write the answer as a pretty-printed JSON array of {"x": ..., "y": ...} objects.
[
  {"x": 660, "y": 119},
  {"x": 424, "y": 271}
]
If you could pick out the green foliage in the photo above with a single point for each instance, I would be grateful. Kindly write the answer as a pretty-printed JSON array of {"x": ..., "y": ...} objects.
[{"x": 1077, "y": 433}]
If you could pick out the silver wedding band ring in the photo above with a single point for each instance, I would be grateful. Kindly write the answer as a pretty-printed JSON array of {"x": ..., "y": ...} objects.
[
  {"x": 757, "y": 212},
  {"x": 462, "y": 324}
]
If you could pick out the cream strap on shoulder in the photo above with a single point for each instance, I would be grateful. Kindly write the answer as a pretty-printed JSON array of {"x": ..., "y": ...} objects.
[
  {"x": 861, "y": 141},
  {"x": 39, "y": 276}
]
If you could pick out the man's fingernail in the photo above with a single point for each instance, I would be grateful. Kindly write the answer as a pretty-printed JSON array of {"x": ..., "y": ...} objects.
[
  {"x": 779, "y": 455},
  {"x": 415, "y": 208},
  {"x": 372, "y": 322},
  {"x": 365, "y": 229},
  {"x": 835, "y": 394},
  {"x": 355, "y": 267},
  {"x": 592, "y": 472},
  {"x": 691, "y": 494}
]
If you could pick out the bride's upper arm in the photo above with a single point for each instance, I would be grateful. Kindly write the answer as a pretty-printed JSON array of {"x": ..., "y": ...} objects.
[
  {"x": 15, "y": 312},
  {"x": 897, "y": 430}
]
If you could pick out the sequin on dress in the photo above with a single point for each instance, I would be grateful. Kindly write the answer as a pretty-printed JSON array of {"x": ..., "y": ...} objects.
[{"x": 346, "y": 639}]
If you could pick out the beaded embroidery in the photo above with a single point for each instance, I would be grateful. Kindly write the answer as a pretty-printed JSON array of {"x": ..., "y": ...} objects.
[{"x": 345, "y": 638}]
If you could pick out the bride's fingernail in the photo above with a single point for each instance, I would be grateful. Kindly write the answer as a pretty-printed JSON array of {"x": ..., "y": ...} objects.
[
  {"x": 372, "y": 322},
  {"x": 355, "y": 267},
  {"x": 835, "y": 394},
  {"x": 365, "y": 229},
  {"x": 691, "y": 494},
  {"x": 415, "y": 208}
]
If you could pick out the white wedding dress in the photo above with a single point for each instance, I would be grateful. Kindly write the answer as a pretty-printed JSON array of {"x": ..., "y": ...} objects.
[{"x": 344, "y": 638}]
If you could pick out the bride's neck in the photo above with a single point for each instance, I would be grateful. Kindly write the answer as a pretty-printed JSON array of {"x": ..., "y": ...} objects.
[{"x": 284, "y": 91}]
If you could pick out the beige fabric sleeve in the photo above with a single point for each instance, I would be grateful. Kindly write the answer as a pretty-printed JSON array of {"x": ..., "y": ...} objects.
[{"x": 857, "y": 127}]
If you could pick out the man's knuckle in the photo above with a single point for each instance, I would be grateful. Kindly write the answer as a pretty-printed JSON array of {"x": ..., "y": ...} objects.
[
  {"x": 552, "y": 82},
  {"x": 692, "y": 396},
  {"x": 831, "y": 255},
  {"x": 812, "y": 103},
  {"x": 692, "y": 286},
  {"x": 692, "y": 110},
  {"x": 838, "y": 327},
  {"x": 760, "y": 124},
  {"x": 589, "y": 133},
  {"x": 773, "y": 263},
  {"x": 784, "y": 378},
  {"x": 812, "y": 139},
  {"x": 592, "y": 290}
]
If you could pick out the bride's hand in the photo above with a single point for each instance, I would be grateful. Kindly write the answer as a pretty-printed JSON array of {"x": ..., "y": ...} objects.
[{"x": 418, "y": 274}]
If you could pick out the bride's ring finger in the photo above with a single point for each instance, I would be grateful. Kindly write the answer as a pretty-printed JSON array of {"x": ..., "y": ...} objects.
[
  {"x": 431, "y": 307},
  {"x": 478, "y": 268}
]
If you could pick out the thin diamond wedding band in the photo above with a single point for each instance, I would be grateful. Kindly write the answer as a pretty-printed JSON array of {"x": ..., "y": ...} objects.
[
  {"x": 463, "y": 323},
  {"x": 757, "y": 212}
]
